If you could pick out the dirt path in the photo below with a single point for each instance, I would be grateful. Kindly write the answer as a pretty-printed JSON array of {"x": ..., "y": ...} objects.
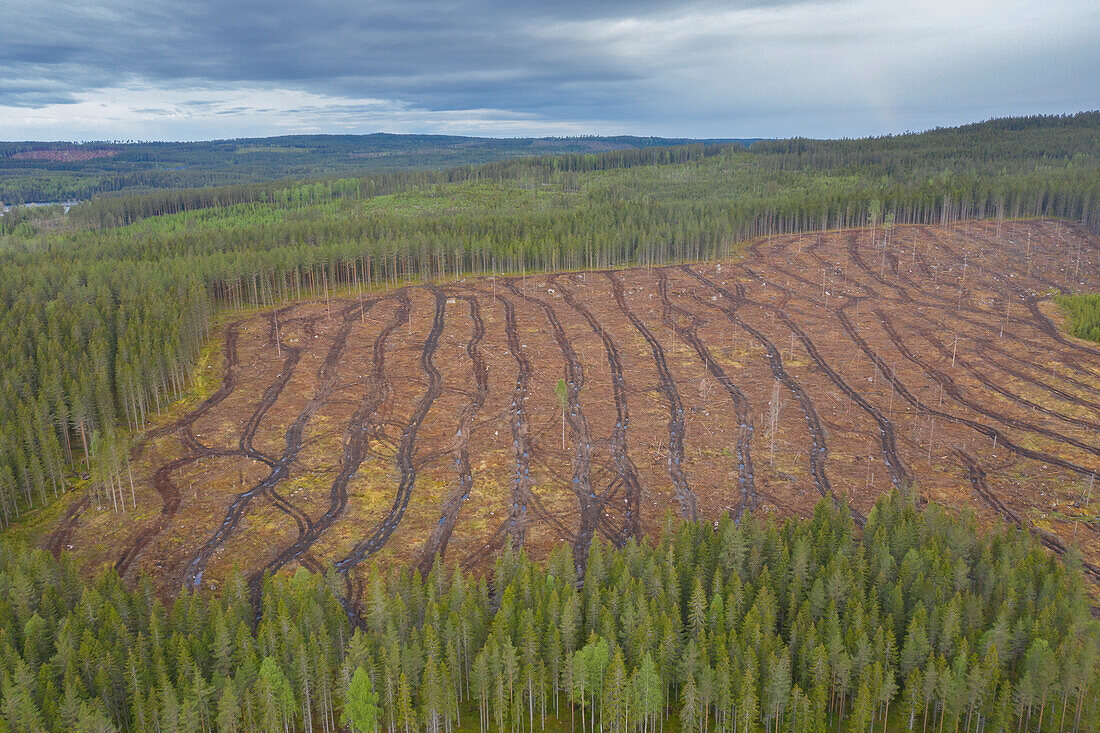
[
  {"x": 988, "y": 346},
  {"x": 953, "y": 390},
  {"x": 357, "y": 436},
  {"x": 404, "y": 458},
  {"x": 667, "y": 385},
  {"x": 516, "y": 526},
  {"x": 293, "y": 439},
  {"x": 581, "y": 482},
  {"x": 866, "y": 323},
  {"x": 436, "y": 544},
  {"x": 820, "y": 450},
  {"x": 976, "y": 474},
  {"x": 993, "y": 385},
  {"x": 60, "y": 537},
  {"x": 162, "y": 482},
  {"x": 270, "y": 395},
  {"x": 986, "y": 430},
  {"x": 669, "y": 315},
  {"x": 887, "y": 437},
  {"x": 228, "y": 384},
  {"x": 624, "y": 467}
]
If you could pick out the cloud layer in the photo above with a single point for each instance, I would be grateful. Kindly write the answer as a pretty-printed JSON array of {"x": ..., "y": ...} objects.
[{"x": 179, "y": 69}]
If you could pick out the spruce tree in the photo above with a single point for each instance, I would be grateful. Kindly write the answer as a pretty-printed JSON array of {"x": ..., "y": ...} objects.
[{"x": 360, "y": 710}]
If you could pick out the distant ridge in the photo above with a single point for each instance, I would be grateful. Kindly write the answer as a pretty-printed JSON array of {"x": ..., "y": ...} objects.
[{"x": 40, "y": 171}]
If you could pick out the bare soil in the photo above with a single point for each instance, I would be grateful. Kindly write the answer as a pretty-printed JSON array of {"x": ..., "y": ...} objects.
[{"x": 424, "y": 420}]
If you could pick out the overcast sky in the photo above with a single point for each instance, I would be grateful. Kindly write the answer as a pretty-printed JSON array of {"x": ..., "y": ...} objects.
[{"x": 196, "y": 69}]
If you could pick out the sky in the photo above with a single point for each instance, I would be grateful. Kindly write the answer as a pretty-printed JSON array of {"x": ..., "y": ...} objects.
[{"x": 200, "y": 69}]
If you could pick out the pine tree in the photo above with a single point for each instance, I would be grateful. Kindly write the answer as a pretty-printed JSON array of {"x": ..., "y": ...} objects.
[
  {"x": 431, "y": 698},
  {"x": 690, "y": 713},
  {"x": 276, "y": 697},
  {"x": 406, "y": 715},
  {"x": 749, "y": 703},
  {"x": 646, "y": 693},
  {"x": 913, "y": 696},
  {"x": 615, "y": 696},
  {"x": 229, "y": 710},
  {"x": 361, "y": 704}
]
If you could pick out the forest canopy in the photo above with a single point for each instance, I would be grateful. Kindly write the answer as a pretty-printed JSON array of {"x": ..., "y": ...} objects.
[
  {"x": 798, "y": 626},
  {"x": 1083, "y": 310},
  {"x": 56, "y": 171}
]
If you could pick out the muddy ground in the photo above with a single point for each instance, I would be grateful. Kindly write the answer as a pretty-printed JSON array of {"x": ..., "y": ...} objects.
[{"x": 402, "y": 424}]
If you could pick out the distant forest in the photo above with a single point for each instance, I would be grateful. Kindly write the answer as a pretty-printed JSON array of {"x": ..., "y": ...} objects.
[
  {"x": 106, "y": 308},
  {"x": 58, "y": 171}
]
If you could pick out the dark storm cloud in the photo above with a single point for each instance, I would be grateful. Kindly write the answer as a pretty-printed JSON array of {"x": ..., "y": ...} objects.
[{"x": 692, "y": 68}]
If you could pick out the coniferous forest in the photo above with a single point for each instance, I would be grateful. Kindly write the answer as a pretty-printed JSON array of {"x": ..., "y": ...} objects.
[
  {"x": 1083, "y": 310},
  {"x": 925, "y": 623},
  {"x": 57, "y": 171},
  {"x": 917, "y": 620}
]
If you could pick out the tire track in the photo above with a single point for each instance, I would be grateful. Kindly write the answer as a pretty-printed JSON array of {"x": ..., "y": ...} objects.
[
  {"x": 666, "y": 384},
  {"x": 887, "y": 437},
  {"x": 293, "y": 438},
  {"x": 988, "y": 345},
  {"x": 440, "y": 536},
  {"x": 288, "y": 508},
  {"x": 1030, "y": 300},
  {"x": 624, "y": 466},
  {"x": 1008, "y": 286},
  {"x": 271, "y": 394},
  {"x": 404, "y": 457},
  {"x": 745, "y": 479},
  {"x": 905, "y": 394},
  {"x": 581, "y": 480},
  {"x": 995, "y": 387},
  {"x": 922, "y": 265},
  {"x": 60, "y": 537},
  {"x": 170, "y": 496},
  {"x": 199, "y": 449},
  {"x": 1041, "y": 389},
  {"x": 1046, "y": 326},
  {"x": 984, "y": 241},
  {"x": 228, "y": 384},
  {"x": 517, "y": 412},
  {"x": 977, "y": 477},
  {"x": 959, "y": 308},
  {"x": 852, "y": 241},
  {"x": 953, "y": 391},
  {"x": 819, "y": 449},
  {"x": 162, "y": 482},
  {"x": 357, "y": 437},
  {"x": 955, "y": 305},
  {"x": 932, "y": 299}
]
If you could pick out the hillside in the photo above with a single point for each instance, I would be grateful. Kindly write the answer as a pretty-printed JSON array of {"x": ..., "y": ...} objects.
[
  {"x": 790, "y": 438},
  {"x": 109, "y": 307},
  {"x": 54, "y": 171},
  {"x": 463, "y": 416}
]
